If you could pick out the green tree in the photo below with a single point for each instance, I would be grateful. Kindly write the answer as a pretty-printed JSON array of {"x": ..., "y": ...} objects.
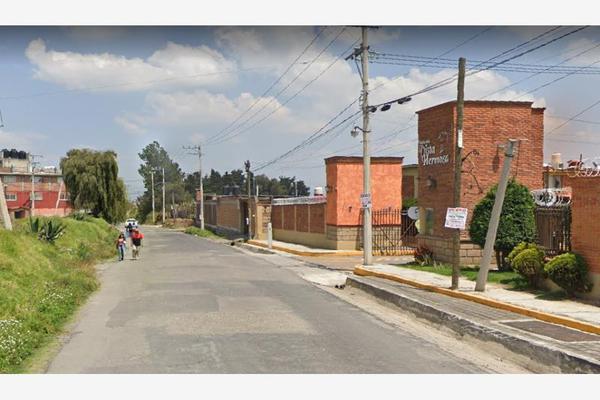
[
  {"x": 517, "y": 220},
  {"x": 155, "y": 158},
  {"x": 92, "y": 178}
]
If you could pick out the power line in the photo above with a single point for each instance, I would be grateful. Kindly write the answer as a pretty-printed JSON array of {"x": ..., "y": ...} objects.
[
  {"x": 314, "y": 39},
  {"x": 224, "y": 137},
  {"x": 574, "y": 116},
  {"x": 292, "y": 97}
]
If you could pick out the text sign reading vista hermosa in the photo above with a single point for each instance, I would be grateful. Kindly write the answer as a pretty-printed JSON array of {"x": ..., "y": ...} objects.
[{"x": 456, "y": 218}]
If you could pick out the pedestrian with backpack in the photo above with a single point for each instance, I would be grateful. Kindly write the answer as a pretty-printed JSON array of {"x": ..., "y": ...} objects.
[{"x": 136, "y": 242}]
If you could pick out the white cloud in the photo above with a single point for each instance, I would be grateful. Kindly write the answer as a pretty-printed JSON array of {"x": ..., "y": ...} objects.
[
  {"x": 199, "y": 66},
  {"x": 25, "y": 141},
  {"x": 129, "y": 125}
]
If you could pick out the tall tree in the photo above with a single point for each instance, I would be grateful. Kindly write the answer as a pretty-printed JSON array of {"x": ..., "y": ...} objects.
[
  {"x": 155, "y": 158},
  {"x": 92, "y": 178}
]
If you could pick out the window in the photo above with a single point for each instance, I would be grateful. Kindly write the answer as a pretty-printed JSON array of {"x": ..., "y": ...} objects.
[
  {"x": 9, "y": 179},
  {"x": 11, "y": 197},
  {"x": 38, "y": 196},
  {"x": 65, "y": 196}
]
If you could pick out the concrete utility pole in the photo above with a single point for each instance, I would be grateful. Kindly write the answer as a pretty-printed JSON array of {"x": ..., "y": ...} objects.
[
  {"x": 249, "y": 184},
  {"x": 163, "y": 195},
  {"x": 367, "y": 228},
  {"x": 4, "y": 209},
  {"x": 460, "y": 106},
  {"x": 198, "y": 151},
  {"x": 33, "y": 163},
  {"x": 153, "y": 214},
  {"x": 490, "y": 238}
]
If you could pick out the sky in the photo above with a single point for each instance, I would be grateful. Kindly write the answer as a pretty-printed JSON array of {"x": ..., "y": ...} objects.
[{"x": 121, "y": 88}]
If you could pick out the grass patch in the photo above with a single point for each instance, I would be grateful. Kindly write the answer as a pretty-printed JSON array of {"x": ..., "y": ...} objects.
[
  {"x": 193, "y": 230},
  {"x": 43, "y": 284},
  {"x": 510, "y": 278}
]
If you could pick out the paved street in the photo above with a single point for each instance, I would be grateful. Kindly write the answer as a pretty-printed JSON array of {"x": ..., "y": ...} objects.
[{"x": 194, "y": 306}]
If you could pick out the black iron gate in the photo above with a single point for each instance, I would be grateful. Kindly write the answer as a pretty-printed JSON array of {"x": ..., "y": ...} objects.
[
  {"x": 394, "y": 233},
  {"x": 554, "y": 229}
]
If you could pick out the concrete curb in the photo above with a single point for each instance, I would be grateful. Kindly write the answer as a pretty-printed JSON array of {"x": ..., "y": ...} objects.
[
  {"x": 542, "y": 353},
  {"x": 325, "y": 253},
  {"x": 552, "y": 318}
]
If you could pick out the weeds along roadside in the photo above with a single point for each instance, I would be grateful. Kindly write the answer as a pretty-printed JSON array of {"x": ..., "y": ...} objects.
[{"x": 43, "y": 283}]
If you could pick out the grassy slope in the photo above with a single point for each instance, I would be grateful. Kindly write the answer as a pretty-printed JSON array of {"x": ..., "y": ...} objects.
[{"x": 42, "y": 284}]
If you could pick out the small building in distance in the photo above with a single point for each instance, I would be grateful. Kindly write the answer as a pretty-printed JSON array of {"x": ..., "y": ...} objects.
[{"x": 18, "y": 175}]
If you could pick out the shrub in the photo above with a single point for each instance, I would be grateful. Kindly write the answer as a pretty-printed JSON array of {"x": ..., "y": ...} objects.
[
  {"x": 569, "y": 271},
  {"x": 528, "y": 260},
  {"x": 50, "y": 231},
  {"x": 424, "y": 256},
  {"x": 193, "y": 230},
  {"x": 517, "y": 221}
]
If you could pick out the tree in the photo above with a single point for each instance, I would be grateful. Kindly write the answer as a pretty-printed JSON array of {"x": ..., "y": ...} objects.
[
  {"x": 155, "y": 158},
  {"x": 92, "y": 178},
  {"x": 517, "y": 220}
]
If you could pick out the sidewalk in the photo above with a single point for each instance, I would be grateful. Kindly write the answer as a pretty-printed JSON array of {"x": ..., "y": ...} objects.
[
  {"x": 567, "y": 308},
  {"x": 306, "y": 251}
]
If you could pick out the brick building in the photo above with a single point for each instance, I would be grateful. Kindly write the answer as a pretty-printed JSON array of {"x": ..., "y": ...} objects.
[
  {"x": 486, "y": 125},
  {"x": 585, "y": 230},
  {"x": 410, "y": 181},
  {"x": 335, "y": 221},
  {"x": 17, "y": 173}
]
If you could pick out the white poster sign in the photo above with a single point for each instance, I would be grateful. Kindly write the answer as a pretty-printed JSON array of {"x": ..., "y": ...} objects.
[
  {"x": 456, "y": 218},
  {"x": 365, "y": 200}
]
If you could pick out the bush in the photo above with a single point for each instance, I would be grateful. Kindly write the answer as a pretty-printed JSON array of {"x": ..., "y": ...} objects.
[
  {"x": 517, "y": 221},
  {"x": 528, "y": 260},
  {"x": 569, "y": 271},
  {"x": 424, "y": 256},
  {"x": 193, "y": 230}
]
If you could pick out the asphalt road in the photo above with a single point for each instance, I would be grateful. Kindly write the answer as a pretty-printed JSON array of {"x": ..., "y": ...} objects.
[{"x": 194, "y": 306}]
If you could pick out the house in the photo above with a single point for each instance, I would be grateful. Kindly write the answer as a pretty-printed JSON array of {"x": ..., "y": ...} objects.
[{"x": 32, "y": 190}]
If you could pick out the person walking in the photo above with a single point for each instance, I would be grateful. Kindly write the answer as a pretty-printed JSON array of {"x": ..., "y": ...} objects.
[
  {"x": 121, "y": 246},
  {"x": 136, "y": 242}
]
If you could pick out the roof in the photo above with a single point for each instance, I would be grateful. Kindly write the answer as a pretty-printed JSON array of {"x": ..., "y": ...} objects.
[
  {"x": 359, "y": 159},
  {"x": 482, "y": 102}
]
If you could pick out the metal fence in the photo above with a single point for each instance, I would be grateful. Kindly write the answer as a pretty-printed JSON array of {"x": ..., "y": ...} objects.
[
  {"x": 393, "y": 232},
  {"x": 554, "y": 229}
]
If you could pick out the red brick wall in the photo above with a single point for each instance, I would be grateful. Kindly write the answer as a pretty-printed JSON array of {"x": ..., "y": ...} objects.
[
  {"x": 289, "y": 218},
  {"x": 486, "y": 125},
  {"x": 302, "y": 217},
  {"x": 277, "y": 217},
  {"x": 585, "y": 226},
  {"x": 408, "y": 187},
  {"x": 345, "y": 184},
  {"x": 229, "y": 214},
  {"x": 317, "y": 218}
]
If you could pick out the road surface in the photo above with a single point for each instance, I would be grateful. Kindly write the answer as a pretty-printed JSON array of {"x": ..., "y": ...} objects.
[{"x": 190, "y": 305}]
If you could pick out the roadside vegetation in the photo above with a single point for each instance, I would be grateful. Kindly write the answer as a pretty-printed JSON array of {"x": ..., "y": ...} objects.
[
  {"x": 46, "y": 272},
  {"x": 193, "y": 230}
]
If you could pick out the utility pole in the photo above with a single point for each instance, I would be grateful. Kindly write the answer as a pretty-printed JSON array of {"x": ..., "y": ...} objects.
[
  {"x": 249, "y": 184},
  {"x": 460, "y": 107},
  {"x": 153, "y": 214},
  {"x": 295, "y": 189},
  {"x": 33, "y": 163},
  {"x": 198, "y": 152},
  {"x": 490, "y": 238},
  {"x": 163, "y": 195},
  {"x": 173, "y": 204},
  {"x": 4, "y": 215},
  {"x": 367, "y": 228}
]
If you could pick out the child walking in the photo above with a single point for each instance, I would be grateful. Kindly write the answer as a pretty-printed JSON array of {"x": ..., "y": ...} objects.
[{"x": 121, "y": 245}]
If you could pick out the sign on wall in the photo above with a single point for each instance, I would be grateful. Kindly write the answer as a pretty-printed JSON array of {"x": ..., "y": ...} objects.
[
  {"x": 456, "y": 218},
  {"x": 430, "y": 154}
]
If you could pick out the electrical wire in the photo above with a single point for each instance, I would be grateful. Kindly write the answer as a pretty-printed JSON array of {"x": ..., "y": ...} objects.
[
  {"x": 309, "y": 45},
  {"x": 224, "y": 138}
]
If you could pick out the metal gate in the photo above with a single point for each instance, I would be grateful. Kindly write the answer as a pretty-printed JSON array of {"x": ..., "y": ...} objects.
[
  {"x": 554, "y": 229},
  {"x": 394, "y": 233}
]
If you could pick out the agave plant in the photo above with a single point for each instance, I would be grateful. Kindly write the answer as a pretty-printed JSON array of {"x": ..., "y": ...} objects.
[
  {"x": 34, "y": 225},
  {"x": 51, "y": 231}
]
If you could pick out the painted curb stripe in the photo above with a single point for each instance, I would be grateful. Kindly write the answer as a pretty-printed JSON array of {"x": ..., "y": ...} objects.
[
  {"x": 555, "y": 319},
  {"x": 326, "y": 253}
]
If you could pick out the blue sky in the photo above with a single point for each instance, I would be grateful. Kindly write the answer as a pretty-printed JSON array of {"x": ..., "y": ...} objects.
[{"x": 122, "y": 87}]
